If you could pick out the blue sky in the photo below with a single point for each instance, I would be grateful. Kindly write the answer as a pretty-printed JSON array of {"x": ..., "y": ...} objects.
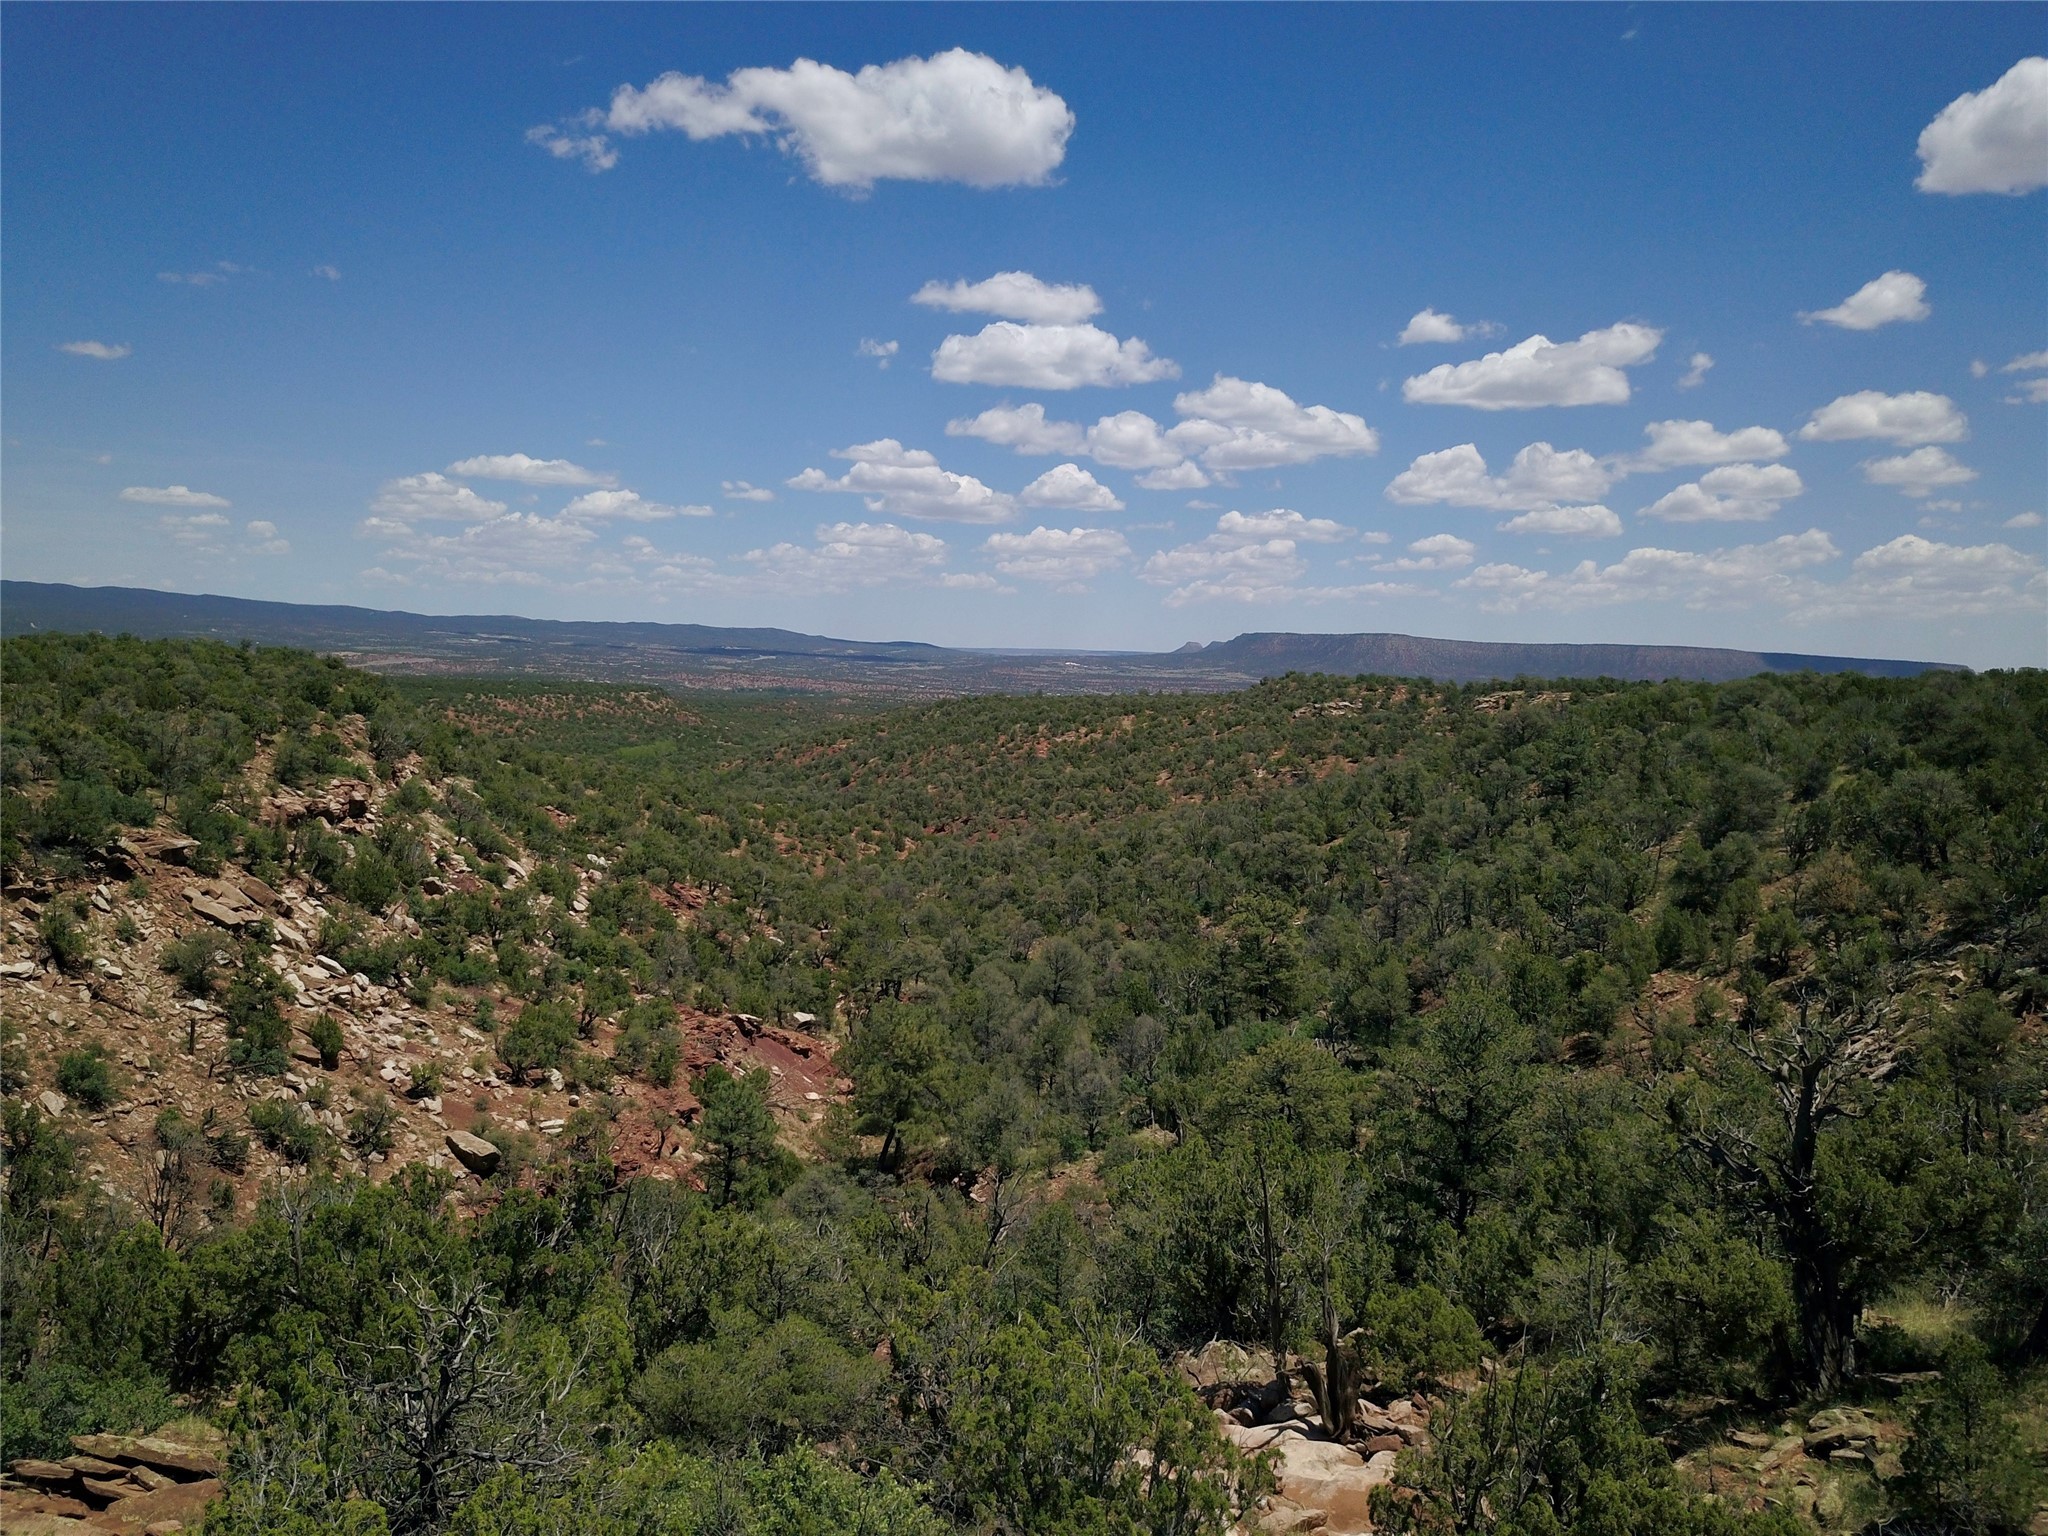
[{"x": 1044, "y": 325}]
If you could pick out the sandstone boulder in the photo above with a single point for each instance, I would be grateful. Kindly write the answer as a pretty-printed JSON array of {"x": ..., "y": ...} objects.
[{"x": 474, "y": 1153}]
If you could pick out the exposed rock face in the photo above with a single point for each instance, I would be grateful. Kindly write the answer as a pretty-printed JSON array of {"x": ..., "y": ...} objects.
[
  {"x": 142, "y": 1484},
  {"x": 1317, "y": 1475},
  {"x": 474, "y": 1153}
]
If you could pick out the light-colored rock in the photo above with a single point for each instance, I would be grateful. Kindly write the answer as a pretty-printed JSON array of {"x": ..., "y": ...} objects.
[
  {"x": 20, "y": 970},
  {"x": 474, "y": 1153},
  {"x": 53, "y": 1102}
]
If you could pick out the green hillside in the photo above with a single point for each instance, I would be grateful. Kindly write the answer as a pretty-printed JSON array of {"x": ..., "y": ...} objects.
[{"x": 1604, "y": 1067}]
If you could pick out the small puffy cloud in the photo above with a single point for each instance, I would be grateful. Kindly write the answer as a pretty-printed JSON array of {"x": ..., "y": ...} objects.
[
  {"x": 1070, "y": 488},
  {"x": 197, "y": 528},
  {"x": 1437, "y": 552},
  {"x": 880, "y": 351},
  {"x": 1696, "y": 370},
  {"x": 1280, "y": 523},
  {"x": 626, "y": 506},
  {"x": 1993, "y": 140},
  {"x": 1022, "y": 427},
  {"x": 2031, "y": 392},
  {"x": 103, "y": 351},
  {"x": 1734, "y": 493},
  {"x": 1919, "y": 473},
  {"x": 1566, "y": 522},
  {"x": 1047, "y": 357},
  {"x": 1916, "y": 417},
  {"x": 263, "y": 538},
  {"x": 593, "y": 150},
  {"x": 173, "y": 496},
  {"x": 908, "y": 482},
  {"x": 431, "y": 497},
  {"x": 1540, "y": 372},
  {"x": 740, "y": 490},
  {"x": 956, "y": 116},
  {"x": 1738, "y": 577},
  {"x": 1428, "y": 326},
  {"x": 1013, "y": 296},
  {"x": 2026, "y": 362},
  {"x": 2024, "y": 520},
  {"x": 1681, "y": 444},
  {"x": 1540, "y": 476},
  {"x": 1239, "y": 424},
  {"x": 327, "y": 270},
  {"x": 1069, "y": 557},
  {"x": 847, "y": 555},
  {"x": 1174, "y": 477},
  {"x": 527, "y": 470},
  {"x": 1881, "y": 301}
]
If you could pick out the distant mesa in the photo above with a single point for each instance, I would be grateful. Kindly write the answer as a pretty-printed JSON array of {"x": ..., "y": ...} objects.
[{"x": 710, "y": 656}]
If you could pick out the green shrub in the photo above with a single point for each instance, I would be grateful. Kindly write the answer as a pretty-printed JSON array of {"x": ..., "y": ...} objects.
[
  {"x": 537, "y": 1039},
  {"x": 67, "y": 941},
  {"x": 195, "y": 960},
  {"x": 87, "y": 1076},
  {"x": 326, "y": 1037},
  {"x": 1966, "y": 1467},
  {"x": 1417, "y": 1334},
  {"x": 286, "y": 1129}
]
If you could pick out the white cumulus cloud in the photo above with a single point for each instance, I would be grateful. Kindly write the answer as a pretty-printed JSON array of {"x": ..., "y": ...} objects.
[
  {"x": 264, "y": 539},
  {"x": 956, "y": 116},
  {"x": 1070, "y": 488},
  {"x": 1047, "y": 357},
  {"x": 431, "y": 497},
  {"x": 527, "y": 470},
  {"x": 1913, "y": 577},
  {"x": 1279, "y": 523},
  {"x": 1540, "y": 372},
  {"x": 1183, "y": 476},
  {"x": 1013, "y": 296},
  {"x": 1881, "y": 301},
  {"x": 1540, "y": 475},
  {"x": 1427, "y": 326},
  {"x": 173, "y": 496},
  {"x": 880, "y": 351},
  {"x": 740, "y": 490},
  {"x": 1681, "y": 444},
  {"x": 1435, "y": 552},
  {"x": 1022, "y": 427},
  {"x": 626, "y": 506},
  {"x": 2026, "y": 362},
  {"x": 1566, "y": 522},
  {"x": 1734, "y": 493},
  {"x": 1993, "y": 140},
  {"x": 1738, "y": 577},
  {"x": 1696, "y": 370},
  {"x": 103, "y": 351},
  {"x": 1919, "y": 473},
  {"x": 1915, "y": 417},
  {"x": 1068, "y": 557},
  {"x": 846, "y": 555},
  {"x": 908, "y": 482},
  {"x": 1239, "y": 424},
  {"x": 517, "y": 549}
]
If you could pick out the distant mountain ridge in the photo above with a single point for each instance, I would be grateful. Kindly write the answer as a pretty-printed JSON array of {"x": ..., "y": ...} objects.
[
  {"x": 1474, "y": 661},
  {"x": 700, "y": 655}
]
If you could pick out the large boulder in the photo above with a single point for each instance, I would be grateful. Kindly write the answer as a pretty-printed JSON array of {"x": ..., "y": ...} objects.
[
  {"x": 1318, "y": 1474},
  {"x": 474, "y": 1153}
]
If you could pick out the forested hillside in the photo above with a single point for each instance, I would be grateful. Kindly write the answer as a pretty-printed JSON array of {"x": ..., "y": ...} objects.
[{"x": 1343, "y": 1104}]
